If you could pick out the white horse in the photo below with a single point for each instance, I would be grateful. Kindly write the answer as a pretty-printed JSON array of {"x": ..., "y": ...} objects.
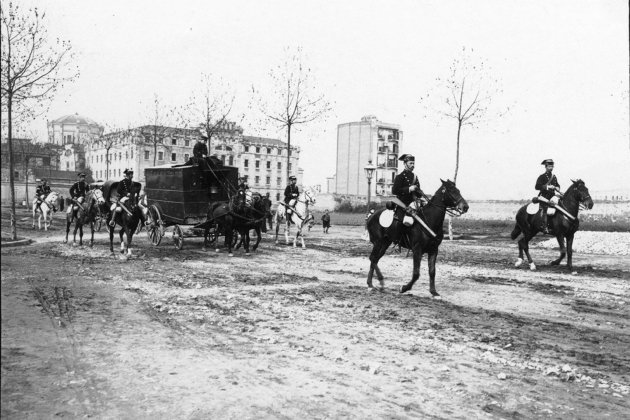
[
  {"x": 51, "y": 204},
  {"x": 300, "y": 217}
]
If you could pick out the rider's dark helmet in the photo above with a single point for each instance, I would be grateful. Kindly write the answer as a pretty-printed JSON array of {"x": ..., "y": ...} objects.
[{"x": 547, "y": 162}]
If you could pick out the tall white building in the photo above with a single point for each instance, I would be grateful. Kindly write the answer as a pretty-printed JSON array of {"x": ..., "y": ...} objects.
[
  {"x": 361, "y": 142},
  {"x": 73, "y": 132}
]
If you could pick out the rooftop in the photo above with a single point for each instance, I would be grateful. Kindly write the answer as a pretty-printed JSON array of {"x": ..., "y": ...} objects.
[{"x": 74, "y": 119}]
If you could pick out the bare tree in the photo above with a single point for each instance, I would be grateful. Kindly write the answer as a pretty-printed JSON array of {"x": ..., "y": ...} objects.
[
  {"x": 210, "y": 107},
  {"x": 162, "y": 119},
  {"x": 28, "y": 150},
  {"x": 294, "y": 98},
  {"x": 466, "y": 96},
  {"x": 33, "y": 68}
]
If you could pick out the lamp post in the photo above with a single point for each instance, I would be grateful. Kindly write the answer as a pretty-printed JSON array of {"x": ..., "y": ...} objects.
[{"x": 369, "y": 172}]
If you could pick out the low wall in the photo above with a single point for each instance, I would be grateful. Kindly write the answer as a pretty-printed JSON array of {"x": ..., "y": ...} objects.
[{"x": 20, "y": 191}]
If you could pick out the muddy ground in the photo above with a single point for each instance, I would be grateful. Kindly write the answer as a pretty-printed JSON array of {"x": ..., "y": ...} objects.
[{"x": 290, "y": 333}]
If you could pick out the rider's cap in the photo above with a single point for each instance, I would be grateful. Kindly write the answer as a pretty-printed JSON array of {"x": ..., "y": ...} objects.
[
  {"x": 128, "y": 171},
  {"x": 204, "y": 136},
  {"x": 292, "y": 177},
  {"x": 547, "y": 162},
  {"x": 81, "y": 174},
  {"x": 407, "y": 158}
]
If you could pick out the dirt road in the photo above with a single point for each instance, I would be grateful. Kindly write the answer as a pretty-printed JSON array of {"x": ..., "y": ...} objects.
[{"x": 289, "y": 333}]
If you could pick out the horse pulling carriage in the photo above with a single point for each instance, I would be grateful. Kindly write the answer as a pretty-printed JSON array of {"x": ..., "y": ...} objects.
[{"x": 180, "y": 196}]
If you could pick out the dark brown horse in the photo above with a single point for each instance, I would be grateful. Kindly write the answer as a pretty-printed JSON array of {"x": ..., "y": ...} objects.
[
  {"x": 85, "y": 214},
  {"x": 415, "y": 237},
  {"x": 561, "y": 225},
  {"x": 128, "y": 220}
]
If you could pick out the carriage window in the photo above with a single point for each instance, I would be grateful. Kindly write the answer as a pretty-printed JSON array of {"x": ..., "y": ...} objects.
[
  {"x": 268, "y": 165},
  {"x": 279, "y": 165},
  {"x": 146, "y": 155},
  {"x": 246, "y": 163},
  {"x": 173, "y": 157},
  {"x": 160, "y": 155}
]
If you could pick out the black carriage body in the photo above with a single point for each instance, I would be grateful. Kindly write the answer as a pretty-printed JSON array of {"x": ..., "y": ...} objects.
[{"x": 183, "y": 194}]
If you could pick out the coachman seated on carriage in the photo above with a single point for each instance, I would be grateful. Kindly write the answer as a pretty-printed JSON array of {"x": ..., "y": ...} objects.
[
  {"x": 42, "y": 192},
  {"x": 77, "y": 194},
  {"x": 241, "y": 193},
  {"x": 124, "y": 191}
]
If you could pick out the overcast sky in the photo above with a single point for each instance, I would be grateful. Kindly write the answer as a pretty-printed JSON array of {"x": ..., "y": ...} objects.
[{"x": 563, "y": 66}]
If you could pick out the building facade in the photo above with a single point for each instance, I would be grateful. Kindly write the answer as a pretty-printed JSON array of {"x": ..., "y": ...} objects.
[
  {"x": 72, "y": 133},
  {"x": 263, "y": 160},
  {"x": 361, "y": 142},
  {"x": 27, "y": 157}
]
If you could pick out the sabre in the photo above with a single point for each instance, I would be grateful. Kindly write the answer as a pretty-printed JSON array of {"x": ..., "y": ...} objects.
[
  {"x": 415, "y": 217},
  {"x": 552, "y": 204}
]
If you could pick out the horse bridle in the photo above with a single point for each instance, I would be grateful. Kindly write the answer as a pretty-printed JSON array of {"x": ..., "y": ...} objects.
[{"x": 451, "y": 210}]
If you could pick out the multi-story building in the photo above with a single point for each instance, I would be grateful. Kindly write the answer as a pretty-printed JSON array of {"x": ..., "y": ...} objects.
[
  {"x": 71, "y": 133},
  {"x": 358, "y": 143},
  {"x": 27, "y": 157},
  {"x": 262, "y": 160}
]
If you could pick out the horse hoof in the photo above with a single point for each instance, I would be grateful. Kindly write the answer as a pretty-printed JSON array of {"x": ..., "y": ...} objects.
[
  {"x": 230, "y": 255},
  {"x": 518, "y": 262},
  {"x": 532, "y": 266},
  {"x": 247, "y": 254},
  {"x": 216, "y": 250},
  {"x": 402, "y": 289},
  {"x": 436, "y": 297},
  {"x": 554, "y": 262}
]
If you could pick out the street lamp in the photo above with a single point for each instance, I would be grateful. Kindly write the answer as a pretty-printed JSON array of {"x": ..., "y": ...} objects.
[{"x": 369, "y": 172}]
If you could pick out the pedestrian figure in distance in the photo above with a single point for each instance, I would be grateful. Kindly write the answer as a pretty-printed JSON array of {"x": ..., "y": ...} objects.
[{"x": 326, "y": 221}]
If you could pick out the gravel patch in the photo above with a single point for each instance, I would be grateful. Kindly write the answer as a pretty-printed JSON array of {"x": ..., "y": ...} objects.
[{"x": 609, "y": 243}]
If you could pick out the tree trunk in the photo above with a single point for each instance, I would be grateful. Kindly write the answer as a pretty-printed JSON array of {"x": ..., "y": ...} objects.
[
  {"x": 288, "y": 152},
  {"x": 154, "y": 150},
  {"x": 450, "y": 219},
  {"x": 26, "y": 180},
  {"x": 11, "y": 166}
]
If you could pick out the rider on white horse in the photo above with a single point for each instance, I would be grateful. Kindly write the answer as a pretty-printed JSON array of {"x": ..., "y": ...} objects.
[
  {"x": 42, "y": 192},
  {"x": 291, "y": 193},
  {"x": 124, "y": 193},
  {"x": 77, "y": 193}
]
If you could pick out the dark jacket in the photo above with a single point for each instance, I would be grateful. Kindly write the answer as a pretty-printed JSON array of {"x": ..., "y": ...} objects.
[
  {"x": 42, "y": 190},
  {"x": 290, "y": 192},
  {"x": 79, "y": 189},
  {"x": 124, "y": 187},
  {"x": 402, "y": 182},
  {"x": 200, "y": 150},
  {"x": 542, "y": 182}
]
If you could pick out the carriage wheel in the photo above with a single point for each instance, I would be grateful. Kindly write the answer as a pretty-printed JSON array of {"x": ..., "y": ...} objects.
[
  {"x": 155, "y": 228},
  {"x": 178, "y": 237}
]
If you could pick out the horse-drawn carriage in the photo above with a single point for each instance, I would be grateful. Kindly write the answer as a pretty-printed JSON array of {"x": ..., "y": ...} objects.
[{"x": 180, "y": 196}]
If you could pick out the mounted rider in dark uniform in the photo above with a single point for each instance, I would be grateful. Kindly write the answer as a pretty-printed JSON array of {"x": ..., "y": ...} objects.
[
  {"x": 241, "y": 193},
  {"x": 547, "y": 184},
  {"x": 267, "y": 204},
  {"x": 291, "y": 193},
  {"x": 77, "y": 193},
  {"x": 406, "y": 188},
  {"x": 42, "y": 192},
  {"x": 124, "y": 191}
]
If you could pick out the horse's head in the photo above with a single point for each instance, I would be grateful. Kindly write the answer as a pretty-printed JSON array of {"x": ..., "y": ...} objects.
[
  {"x": 581, "y": 194},
  {"x": 452, "y": 197},
  {"x": 98, "y": 196},
  {"x": 52, "y": 197},
  {"x": 309, "y": 196}
]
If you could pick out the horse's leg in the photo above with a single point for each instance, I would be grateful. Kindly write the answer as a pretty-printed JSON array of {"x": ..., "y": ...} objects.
[
  {"x": 524, "y": 244},
  {"x": 245, "y": 240},
  {"x": 92, "y": 236},
  {"x": 417, "y": 257},
  {"x": 111, "y": 237},
  {"x": 432, "y": 259},
  {"x": 129, "y": 239},
  {"x": 302, "y": 237},
  {"x": 570, "y": 251},
  {"x": 560, "y": 240},
  {"x": 258, "y": 235},
  {"x": 378, "y": 250},
  {"x": 68, "y": 223},
  {"x": 80, "y": 233},
  {"x": 122, "y": 241}
]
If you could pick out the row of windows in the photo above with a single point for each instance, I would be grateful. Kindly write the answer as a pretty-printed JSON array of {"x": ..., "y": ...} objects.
[
  {"x": 112, "y": 156},
  {"x": 268, "y": 149},
  {"x": 257, "y": 164}
]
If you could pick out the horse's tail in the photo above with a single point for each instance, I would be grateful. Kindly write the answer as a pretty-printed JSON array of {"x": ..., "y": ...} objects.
[{"x": 516, "y": 231}]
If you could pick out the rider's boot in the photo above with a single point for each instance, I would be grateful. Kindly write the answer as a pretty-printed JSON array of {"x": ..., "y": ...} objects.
[{"x": 543, "y": 226}]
